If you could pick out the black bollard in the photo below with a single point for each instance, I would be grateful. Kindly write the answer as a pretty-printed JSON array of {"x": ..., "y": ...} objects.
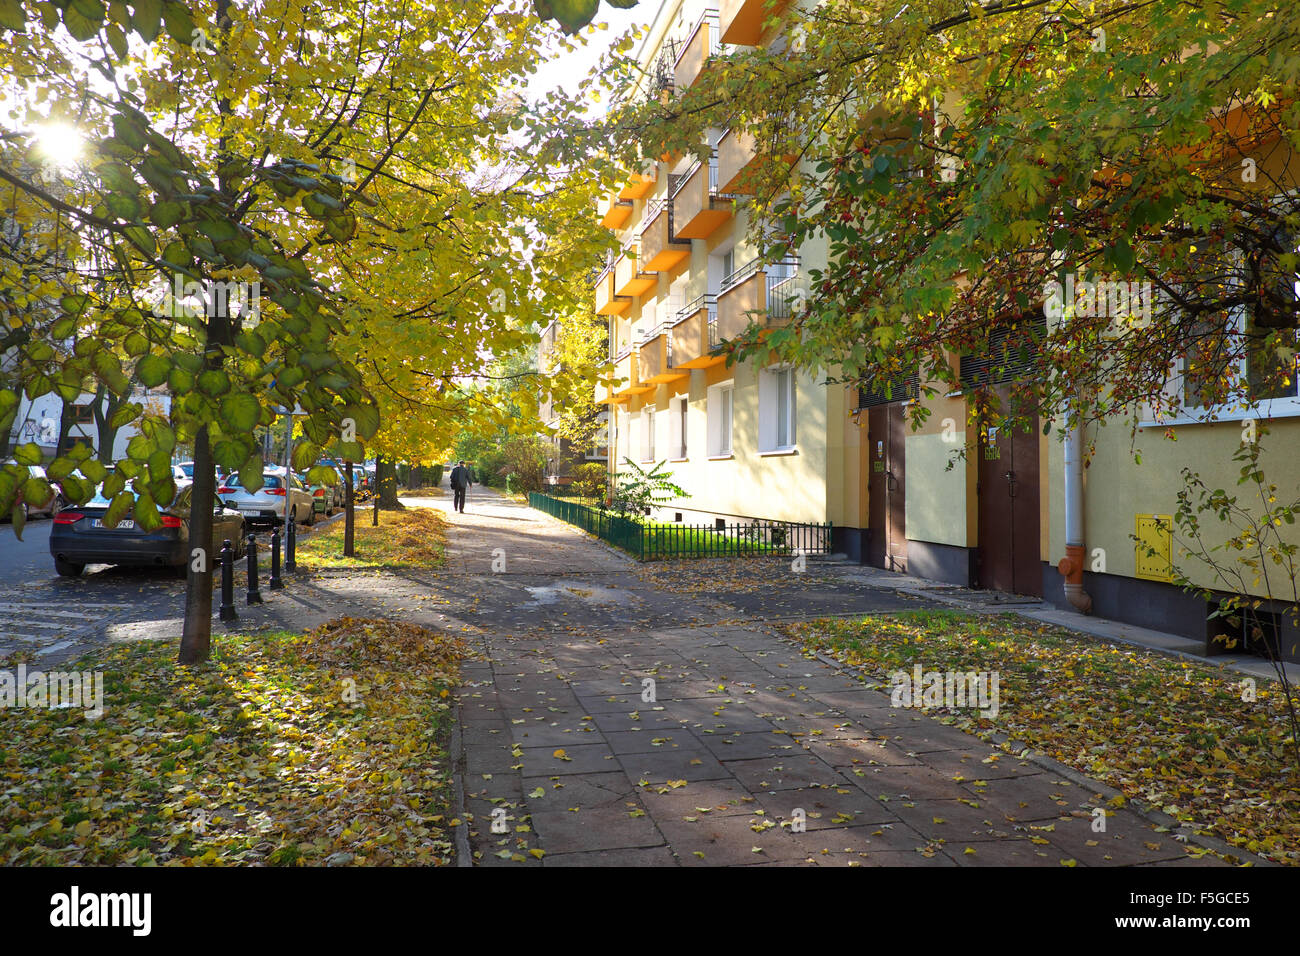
[
  {"x": 375, "y": 522},
  {"x": 254, "y": 595},
  {"x": 228, "y": 582},
  {"x": 290, "y": 545},
  {"x": 276, "y": 583}
]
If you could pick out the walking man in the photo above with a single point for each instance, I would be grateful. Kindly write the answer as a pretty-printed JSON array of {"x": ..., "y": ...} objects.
[{"x": 459, "y": 485}]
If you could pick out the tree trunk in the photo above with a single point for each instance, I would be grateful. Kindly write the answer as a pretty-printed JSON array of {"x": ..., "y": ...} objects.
[
  {"x": 386, "y": 479},
  {"x": 349, "y": 517},
  {"x": 196, "y": 638},
  {"x": 107, "y": 433}
]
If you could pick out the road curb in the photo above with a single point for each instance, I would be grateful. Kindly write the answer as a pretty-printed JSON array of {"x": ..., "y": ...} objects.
[{"x": 464, "y": 856}]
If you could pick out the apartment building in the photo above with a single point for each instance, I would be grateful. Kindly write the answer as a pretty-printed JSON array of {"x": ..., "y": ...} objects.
[
  {"x": 745, "y": 440},
  {"x": 1006, "y": 510}
]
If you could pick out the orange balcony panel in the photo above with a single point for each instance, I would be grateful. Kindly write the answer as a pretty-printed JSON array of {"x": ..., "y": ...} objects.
[
  {"x": 737, "y": 162},
  {"x": 639, "y": 186},
  {"x": 607, "y": 303},
  {"x": 691, "y": 340},
  {"x": 615, "y": 213},
  {"x": 653, "y": 366},
  {"x": 697, "y": 212},
  {"x": 742, "y": 20},
  {"x": 660, "y": 250},
  {"x": 699, "y": 47},
  {"x": 737, "y": 306},
  {"x": 631, "y": 279}
]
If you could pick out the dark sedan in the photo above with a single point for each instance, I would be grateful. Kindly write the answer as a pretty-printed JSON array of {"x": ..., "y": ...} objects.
[{"x": 79, "y": 537}]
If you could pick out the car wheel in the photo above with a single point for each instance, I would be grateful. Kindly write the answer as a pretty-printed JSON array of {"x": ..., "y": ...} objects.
[
  {"x": 68, "y": 569},
  {"x": 311, "y": 515}
]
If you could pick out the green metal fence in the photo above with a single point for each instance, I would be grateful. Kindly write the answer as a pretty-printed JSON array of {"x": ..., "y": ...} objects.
[{"x": 656, "y": 540}]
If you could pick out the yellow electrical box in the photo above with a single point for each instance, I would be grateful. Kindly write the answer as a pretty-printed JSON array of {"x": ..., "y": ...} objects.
[{"x": 1155, "y": 546}]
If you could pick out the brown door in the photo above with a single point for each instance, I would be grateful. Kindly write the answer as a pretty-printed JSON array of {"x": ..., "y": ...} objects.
[
  {"x": 887, "y": 513},
  {"x": 1008, "y": 512}
]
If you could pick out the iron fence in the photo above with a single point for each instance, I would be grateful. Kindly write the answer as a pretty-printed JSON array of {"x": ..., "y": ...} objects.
[{"x": 648, "y": 540}]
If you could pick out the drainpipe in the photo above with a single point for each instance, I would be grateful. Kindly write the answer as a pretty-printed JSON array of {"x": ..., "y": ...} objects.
[{"x": 1071, "y": 566}]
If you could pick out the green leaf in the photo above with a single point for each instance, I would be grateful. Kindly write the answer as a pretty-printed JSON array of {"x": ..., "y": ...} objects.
[
  {"x": 146, "y": 513},
  {"x": 83, "y": 18},
  {"x": 180, "y": 25},
  {"x": 146, "y": 17},
  {"x": 127, "y": 413},
  {"x": 153, "y": 370},
  {"x": 164, "y": 214},
  {"x": 305, "y": 455},
  {"x": 366, "y": 418},
  {"x": 219, "y": 230},
  {"x": 37, "y": 492},
  {"x": 12, "y": 16},
  {"x": 240, "y": 412},
  {"x": 229, "y": 454},
  {"x": 251, "y": 473},
  {"x": 118, "y": 508},
  {"x": 214, "y": 382},
  {"x": 28, "y": 454}
]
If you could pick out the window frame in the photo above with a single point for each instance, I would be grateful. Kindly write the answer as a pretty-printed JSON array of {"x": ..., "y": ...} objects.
[{"x": 721, "y": 427}]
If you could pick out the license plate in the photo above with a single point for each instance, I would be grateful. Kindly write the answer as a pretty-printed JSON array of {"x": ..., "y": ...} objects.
[
  {"x": 250, "y": 511},
  {"x": 121, "y": 525}
]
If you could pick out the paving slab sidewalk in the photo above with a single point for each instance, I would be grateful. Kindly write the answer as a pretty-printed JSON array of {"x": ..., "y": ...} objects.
[{"x": 638, "y": 730}]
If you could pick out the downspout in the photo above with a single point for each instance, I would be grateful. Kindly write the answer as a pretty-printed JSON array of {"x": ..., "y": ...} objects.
[{"x": 1071, "y": 566}]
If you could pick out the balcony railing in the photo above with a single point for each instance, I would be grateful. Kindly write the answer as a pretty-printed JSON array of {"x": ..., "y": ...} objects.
[{"x": 702, "y": 45}]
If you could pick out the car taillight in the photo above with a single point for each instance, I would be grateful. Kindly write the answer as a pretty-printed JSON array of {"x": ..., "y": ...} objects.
[
  {"x": 68, "y": 517},
  {"x": 318, "y": 493},
  {"x": 275, "y": 491},
  {"x": 171, "y": 521},
  {"x": 224, "y": 490}
]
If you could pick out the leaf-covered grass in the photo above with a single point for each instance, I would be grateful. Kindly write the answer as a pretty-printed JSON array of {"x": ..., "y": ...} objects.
[
  {"x": 267, "y": 754},
  {"x": 411, "y": 537},
  {"x": 1176, "y": 734}
]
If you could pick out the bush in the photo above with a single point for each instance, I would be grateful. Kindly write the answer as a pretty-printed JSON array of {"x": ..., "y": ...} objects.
[
  {"x": 526, "y": 460},
  {"x": 437, "y": 475},
  {"x": 590, "y": 480}
]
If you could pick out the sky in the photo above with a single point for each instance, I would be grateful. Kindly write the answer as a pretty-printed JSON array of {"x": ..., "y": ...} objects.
[{"x": 567, "y": 70}]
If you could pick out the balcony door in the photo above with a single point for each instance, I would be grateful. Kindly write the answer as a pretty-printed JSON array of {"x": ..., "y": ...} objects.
[{"x": 887, "y": 512}]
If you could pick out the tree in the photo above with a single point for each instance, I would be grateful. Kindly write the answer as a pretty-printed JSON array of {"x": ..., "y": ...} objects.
[{"x": 310, "y": 160}]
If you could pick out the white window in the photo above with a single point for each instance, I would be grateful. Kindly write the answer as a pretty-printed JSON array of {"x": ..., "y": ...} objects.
[
  {"x": 648, "y": 433},
  {"x": 1256, "y": 380},
  {"x": 776, "y": 409},
  {"x": 718, "y": 410},
  {"x": 678, "y": 411}
]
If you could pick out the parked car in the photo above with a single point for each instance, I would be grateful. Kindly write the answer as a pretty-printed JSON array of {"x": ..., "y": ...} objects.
[
  {"x": 79, "y": 537},
  {"x": 50, "y": 507},
  {"x": 268, "y": 505},
  {"x": 187, "y": 472},
  {"x": 182, "y": 479},
  {"x": 324, "y": 498}
]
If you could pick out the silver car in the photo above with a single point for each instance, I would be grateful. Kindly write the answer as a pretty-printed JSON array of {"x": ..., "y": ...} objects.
[{"x": 268, "y": 504}]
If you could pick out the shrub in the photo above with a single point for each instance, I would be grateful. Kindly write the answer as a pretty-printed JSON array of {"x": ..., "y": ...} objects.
[
  {"x": 590, "y": 480},
  {"x": 437, "y": 475}
]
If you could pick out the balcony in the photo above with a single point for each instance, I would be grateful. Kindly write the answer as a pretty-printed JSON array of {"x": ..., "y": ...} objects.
[
  {"x": 703, "y": 44},
  {"x": 693, "y": 335},
  {"x": 615, "y": 212},
  {"x": 631, "y": 278},
  {"x": 737, "y": 156},
  {"x": 627, "y": 370},
  {"x": 660, "y": 249},
  {"x": 607, "y": 303},
  {"x": 699, "y": 208},
  {"x": 655, "y": 357},
  {"x": 742, "y": 20},
  {"x": 763, "y": 294},
  {"x": 640, "y": 185}
]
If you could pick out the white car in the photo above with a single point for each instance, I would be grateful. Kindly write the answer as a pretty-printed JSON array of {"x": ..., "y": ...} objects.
[{"x": 269, "y": 503}]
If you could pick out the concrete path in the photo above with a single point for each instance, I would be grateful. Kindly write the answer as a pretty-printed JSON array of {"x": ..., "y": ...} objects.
[{"x": 613, "y": 720}]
